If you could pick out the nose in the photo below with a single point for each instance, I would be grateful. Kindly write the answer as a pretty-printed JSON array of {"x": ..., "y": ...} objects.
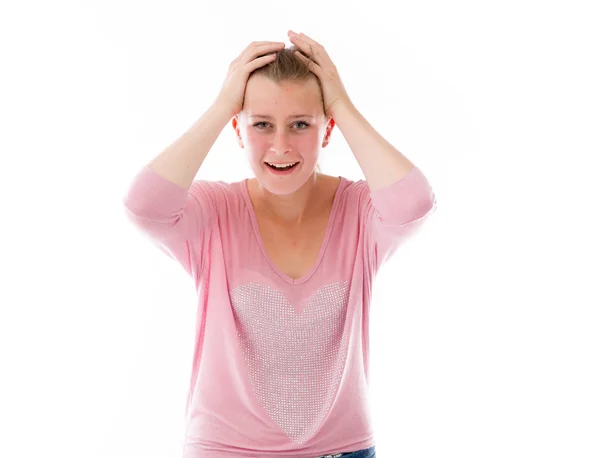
[{"x": 281, "y": 144}]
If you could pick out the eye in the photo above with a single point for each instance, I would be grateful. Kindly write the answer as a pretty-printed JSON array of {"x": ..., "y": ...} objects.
[
  {"x": 302, "y": 122},
  {"x": 259, "y": 125}
]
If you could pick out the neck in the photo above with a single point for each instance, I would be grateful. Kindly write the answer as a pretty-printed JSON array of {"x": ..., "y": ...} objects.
[{"x": 294, "y": 209}]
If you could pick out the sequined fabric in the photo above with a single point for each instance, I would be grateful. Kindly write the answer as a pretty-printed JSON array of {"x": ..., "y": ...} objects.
[{"x": 294, "y": 358}]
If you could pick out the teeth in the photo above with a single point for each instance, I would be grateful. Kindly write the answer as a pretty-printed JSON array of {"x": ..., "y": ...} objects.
[{"x": 281, "y": 166}]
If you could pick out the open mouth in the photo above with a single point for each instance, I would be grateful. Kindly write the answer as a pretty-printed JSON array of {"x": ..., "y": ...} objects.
[{"x": 282, "y": 169}]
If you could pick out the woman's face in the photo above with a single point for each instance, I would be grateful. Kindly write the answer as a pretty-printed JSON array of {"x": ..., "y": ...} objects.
[{"x": 271, "y": 129}]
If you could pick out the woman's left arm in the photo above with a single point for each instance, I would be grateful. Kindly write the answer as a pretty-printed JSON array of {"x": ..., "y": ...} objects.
[{"x": 381, "y": 163}]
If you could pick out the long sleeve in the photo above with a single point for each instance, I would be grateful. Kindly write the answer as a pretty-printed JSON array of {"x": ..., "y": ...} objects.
[
  {"x": 394, "y": 213},
  {"x": 176, "y": 220},
  {"x": 280, "y": 366}
]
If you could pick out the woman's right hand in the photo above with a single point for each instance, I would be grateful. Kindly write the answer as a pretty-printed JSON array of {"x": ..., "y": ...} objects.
[{"x": 232, "y": 92}]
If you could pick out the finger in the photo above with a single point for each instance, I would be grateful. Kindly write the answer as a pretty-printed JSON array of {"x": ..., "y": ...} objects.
[
  {"x": 313, "y": 67},
  {"x": 260, "y": 43},
  {"x": 315, "y": 51},
  {"x": 262, "y": 47},
  {"x": 253, "y": 52},
  {"x": 308, "y": 39},
  {"x": 305, "y": 47},
  {"x": 261, "y": 61}
]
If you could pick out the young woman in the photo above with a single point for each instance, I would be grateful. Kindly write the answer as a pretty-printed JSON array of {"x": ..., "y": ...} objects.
[{"x": 282, "y": 262}]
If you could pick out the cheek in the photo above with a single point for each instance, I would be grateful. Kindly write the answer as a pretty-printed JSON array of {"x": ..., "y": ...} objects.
[
  {"x": 256, "y": 146},
  {"x": 309, "y": 142},
  {"x": 256, "y": 140}
]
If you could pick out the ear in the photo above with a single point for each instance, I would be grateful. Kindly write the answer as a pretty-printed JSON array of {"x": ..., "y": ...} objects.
[
  {"x": 236, "y": 126},
  {"x": 328, "y": 130}
]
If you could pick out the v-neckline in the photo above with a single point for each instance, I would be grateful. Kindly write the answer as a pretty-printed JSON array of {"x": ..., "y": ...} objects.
[{"x": 254, "y": 219}]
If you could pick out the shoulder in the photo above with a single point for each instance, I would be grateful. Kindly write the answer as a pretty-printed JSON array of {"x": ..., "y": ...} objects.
[
  {"x": 220, "y": 203},
  {"x": 217, "y": 194},
  {"x": 214, "y": 187},
  {"x": 354, "y": 200},
  {"x": 353, "y": 190}
]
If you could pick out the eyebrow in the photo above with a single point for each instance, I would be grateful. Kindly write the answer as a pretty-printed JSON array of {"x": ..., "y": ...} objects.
[{"x": 289, "y": 117}]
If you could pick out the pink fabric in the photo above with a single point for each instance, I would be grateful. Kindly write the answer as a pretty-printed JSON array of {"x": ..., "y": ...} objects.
[{"x": 281, "y": 366}]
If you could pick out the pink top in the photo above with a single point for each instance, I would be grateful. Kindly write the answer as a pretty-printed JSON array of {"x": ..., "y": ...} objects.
[{"x": 281, "y": 366}]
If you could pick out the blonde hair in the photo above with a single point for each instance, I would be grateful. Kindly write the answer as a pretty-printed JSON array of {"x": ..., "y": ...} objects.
[{"x": 289, "y": 67}]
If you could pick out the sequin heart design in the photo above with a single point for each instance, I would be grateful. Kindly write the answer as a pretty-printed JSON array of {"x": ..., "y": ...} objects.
[{"x": 295, "y": 359}]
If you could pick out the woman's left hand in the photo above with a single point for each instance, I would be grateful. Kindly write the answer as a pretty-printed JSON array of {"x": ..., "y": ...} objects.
[{"x": 334, "y": 93}]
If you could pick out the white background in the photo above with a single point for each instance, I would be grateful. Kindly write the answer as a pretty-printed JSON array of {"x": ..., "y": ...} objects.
[{"x": 484, "y": 327}]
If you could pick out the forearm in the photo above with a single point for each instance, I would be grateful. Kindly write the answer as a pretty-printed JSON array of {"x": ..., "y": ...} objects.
[
  {"x": 381, "y": 163},
  {"x": 180, "y": 162}
]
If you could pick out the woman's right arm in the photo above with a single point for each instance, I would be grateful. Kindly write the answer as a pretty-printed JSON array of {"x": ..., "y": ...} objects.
[
  {"x": 165, "y": 201},
  {"x": 180, "y": 162}
]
